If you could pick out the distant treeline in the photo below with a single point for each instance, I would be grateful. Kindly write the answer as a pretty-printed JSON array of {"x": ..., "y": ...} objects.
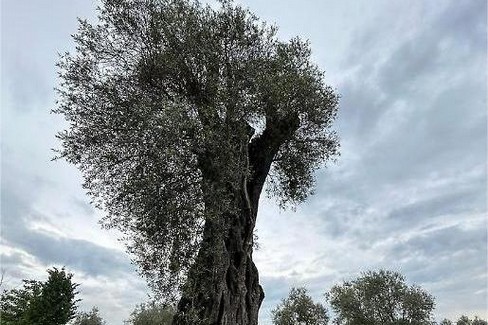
[{"x": 375, "y": 298}]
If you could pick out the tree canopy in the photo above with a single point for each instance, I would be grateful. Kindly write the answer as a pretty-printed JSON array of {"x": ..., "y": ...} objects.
[
  {"x": 151, "y": 313},
  {"x": 380, "y": 297},
  {"x": 465, "y": 320},
  {"x": 173, "y": 107},
  {"x": 299, "y": 309},
  {"x": 42, "y": 303},
  {"x": 89, "y": 318}
]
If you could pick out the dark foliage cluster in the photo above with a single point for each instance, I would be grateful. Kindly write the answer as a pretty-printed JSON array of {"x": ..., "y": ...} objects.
[{"x": 42, "y": 303}]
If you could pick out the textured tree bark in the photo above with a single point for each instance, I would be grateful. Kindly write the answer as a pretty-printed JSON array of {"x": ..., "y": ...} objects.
[{"x": 223, "y": 286}]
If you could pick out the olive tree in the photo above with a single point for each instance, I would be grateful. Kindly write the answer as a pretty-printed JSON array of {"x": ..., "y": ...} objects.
[
  {"x": 178, "y": 114},
  {"x": 151, "y": 313},
  {"x": 465, "y": 320},
  {"x": 89, "y": 318},
  {"x": 380, "y": 297},
  {"x": 299, "y": 309}
]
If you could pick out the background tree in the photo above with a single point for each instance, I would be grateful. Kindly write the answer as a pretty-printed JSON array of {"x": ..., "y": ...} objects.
[
  {"x": 42, "y": 303},
  {"x": 299, "y": 309},
  {"x": 151, "y": 313},
  {"x": 177, "y": 115},
  {"x": 478, "y": 321},
  {"x": 89, "y": 318},
  {"x": 16, "y": 304},
  {"x": 380, "y": 297},
  {"x": 465, "y": 320},
  {"x": 57, "y": 302}
]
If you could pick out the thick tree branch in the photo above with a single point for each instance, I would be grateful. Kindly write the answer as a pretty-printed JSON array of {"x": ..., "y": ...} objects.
[{"x": 264, "y": 148}]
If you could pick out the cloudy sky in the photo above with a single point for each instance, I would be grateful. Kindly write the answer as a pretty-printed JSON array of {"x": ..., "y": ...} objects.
[{"x": 407, "y": 194}]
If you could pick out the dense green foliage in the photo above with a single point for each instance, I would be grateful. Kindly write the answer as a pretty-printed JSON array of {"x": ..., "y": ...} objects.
[
  {"x": 174, "y": 107},
  {"x": 151, "y": 313},
  {"x": 380, "y": 297},
  {"x": 299, "y": 309},
  {"x": 18, "y": 306},
  {"x": 88, "y": 318},
  {"x": 42, "y": 303}
]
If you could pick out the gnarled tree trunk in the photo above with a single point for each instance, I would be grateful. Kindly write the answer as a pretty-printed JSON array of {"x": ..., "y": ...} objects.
[{"x": 223, "y": 285}]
